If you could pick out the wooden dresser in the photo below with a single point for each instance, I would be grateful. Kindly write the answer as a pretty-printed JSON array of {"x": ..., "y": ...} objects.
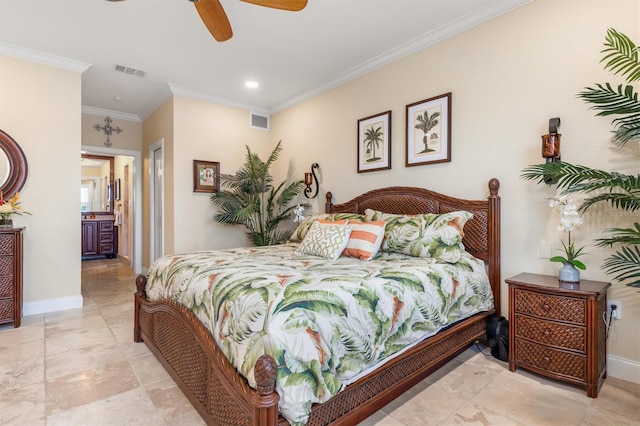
[
  {"x": 558, "y": 330},
  {"x": 99, "y": 238},
  {"x": 11, "y": 276}
]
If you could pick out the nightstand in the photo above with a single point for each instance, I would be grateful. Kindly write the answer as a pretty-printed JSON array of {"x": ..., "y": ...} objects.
[{"x": 557, "y": 330}]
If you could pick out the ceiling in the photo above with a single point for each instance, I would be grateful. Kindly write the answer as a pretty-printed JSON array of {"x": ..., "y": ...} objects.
[{"x": 292, "y": 55}]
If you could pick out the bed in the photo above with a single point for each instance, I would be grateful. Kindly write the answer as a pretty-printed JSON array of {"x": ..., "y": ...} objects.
[{"x": 187, "y": 348}]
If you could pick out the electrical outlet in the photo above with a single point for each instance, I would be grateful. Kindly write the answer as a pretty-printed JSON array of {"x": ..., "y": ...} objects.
[
  {"x": 545, "y": 250},
  {"x": 617, "y": 314}
]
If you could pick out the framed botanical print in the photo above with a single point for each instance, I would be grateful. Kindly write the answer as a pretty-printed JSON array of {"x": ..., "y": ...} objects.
[
  {"x": 374, "y": 142},
  {"x": 206, "y": 176},
  {"x": 429, "y": 131}
]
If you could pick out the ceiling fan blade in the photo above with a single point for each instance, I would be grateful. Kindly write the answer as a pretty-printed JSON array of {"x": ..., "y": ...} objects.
[
  {"x": 214, "y": 18},
  {"x": 293, "y": 5}
]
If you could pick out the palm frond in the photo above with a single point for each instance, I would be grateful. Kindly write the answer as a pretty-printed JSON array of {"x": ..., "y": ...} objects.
[
  {"x": 626, "y": 264},
  {"x": 628, "y": 236},
  {"x": 623, "y": 101},
  {"x": 621, "y": 55}
]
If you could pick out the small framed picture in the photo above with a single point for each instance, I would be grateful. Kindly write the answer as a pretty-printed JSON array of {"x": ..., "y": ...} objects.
[
  {"x": 206, "y": 176},
  {"x": 429, "y": 131},
  {"x": 374, "y": 142}
]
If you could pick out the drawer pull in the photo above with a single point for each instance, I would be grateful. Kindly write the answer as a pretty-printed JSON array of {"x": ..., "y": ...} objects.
[
  {"x": 546, "y": 360},
  {"x": 546, "y": 307},
  {"x": 547, "y": 333}
]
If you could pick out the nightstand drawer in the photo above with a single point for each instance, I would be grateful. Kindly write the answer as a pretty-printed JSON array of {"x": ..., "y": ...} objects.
[
  {"x": 6, "y": 243},
  {"x": 552, "y": 360},
  {"x": 6, "y": 286},
  {"x": 552, "y": 333},
  {"x": 551, "y": 307},
  {"x": 6, "y": 309}
]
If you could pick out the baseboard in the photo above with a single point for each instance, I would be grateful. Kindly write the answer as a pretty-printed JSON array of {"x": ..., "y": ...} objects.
[
  {"x": 624, "y": 369},
  {"x": 51, "y": 305}
]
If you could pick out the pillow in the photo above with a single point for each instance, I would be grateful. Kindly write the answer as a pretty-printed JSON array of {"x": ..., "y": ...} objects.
[
  {"x": 365, "y": 239},
  {"x": 302, "y": 229},
  {"x": 325, "y": 240},
  {"x": 427, "y": 235},
  {"x": 400, "y": 230},
  {"x": 443, "y": 233}
]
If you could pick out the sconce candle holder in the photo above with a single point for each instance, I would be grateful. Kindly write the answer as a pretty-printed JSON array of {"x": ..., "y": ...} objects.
[
  {"x": 551, "y": 146},
  {"x": 309, "y": 179}
]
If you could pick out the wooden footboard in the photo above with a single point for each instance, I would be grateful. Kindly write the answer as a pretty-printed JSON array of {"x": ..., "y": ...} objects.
[{"x": 189, "y": 353}]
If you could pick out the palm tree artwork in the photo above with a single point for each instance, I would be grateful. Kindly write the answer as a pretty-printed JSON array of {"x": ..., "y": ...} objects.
[
  {"x": 373, "y": 137},
  {"x": 426, "y": 123}
]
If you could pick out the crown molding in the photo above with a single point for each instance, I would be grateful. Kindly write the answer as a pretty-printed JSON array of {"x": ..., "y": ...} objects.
[
  {"x": 188, "y": 93},
  {"x": 464, "y": 23},
  {"x": 109, "y": 113},
  {"x": 43, "y": 58}
]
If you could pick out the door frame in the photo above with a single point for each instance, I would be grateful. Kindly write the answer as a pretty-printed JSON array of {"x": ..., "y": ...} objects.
[
  {"x": 159, "y": 144},
  {"x": 136, "y": 173}
]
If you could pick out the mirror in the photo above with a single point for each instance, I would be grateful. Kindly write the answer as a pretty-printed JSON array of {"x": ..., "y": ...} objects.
[
  {"x": 96, "y": 184},
  {"x": 13, "y": 166}
]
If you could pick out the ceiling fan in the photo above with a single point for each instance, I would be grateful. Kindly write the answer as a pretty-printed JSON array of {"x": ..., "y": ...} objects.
[{"x": 216, "y": 21}]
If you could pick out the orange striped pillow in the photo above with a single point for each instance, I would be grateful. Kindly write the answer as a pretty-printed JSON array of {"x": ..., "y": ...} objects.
[{"x": 365, "y": 239}]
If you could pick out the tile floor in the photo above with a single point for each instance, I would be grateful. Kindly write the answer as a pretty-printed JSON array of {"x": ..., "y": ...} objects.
[{"x": 81, "y": 367}]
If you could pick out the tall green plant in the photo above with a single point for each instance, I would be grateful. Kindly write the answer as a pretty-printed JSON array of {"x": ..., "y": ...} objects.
[
  {"x": 249, "y": 198},
  {"x": 621, "y": 57}
]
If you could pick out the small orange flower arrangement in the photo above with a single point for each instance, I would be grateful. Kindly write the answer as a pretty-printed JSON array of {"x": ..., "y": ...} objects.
[{"x": 11, "y": 206}]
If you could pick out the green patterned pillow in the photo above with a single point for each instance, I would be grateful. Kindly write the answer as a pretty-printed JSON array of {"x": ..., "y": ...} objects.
[
  {"x": 304, "y": 226},
  {"x": 428, "y": 235},
  {"x": 442, "y": 236},
  {"x": 325, "y": 240},
  {"x": 400, "y": 230}
]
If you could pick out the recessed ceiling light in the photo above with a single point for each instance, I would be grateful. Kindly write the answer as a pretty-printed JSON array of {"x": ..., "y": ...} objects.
[{"x": 251, "y": 84}]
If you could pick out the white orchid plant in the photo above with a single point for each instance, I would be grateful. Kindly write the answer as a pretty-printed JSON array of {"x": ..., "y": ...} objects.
[{"x": 569, "y": 219}]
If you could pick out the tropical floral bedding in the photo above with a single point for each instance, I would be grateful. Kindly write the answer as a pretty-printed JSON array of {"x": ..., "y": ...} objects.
[{"x": 323, "y": 321}]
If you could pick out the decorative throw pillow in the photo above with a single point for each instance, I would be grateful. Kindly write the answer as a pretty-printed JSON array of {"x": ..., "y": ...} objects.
[
  {"x": 443, "y": 233},
  {"x": 365, "y": 239},
  {"x": 304, "y": 226},
  {"x": 400, "y": 230},
  {"x": 427, "y": 235},
  {"x": 325, "y": 240}
]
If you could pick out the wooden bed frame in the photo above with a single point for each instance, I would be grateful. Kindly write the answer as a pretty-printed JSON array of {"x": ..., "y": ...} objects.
[{"x": 189, "y": 352}]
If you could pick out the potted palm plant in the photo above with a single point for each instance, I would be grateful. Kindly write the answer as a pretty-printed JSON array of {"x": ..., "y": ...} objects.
[
  {"x": 622, "y": 57},
  {"x": 250, "y": 198}
]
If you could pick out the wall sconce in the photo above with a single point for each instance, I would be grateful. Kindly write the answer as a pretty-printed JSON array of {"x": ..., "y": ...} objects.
[
  {"x": 309, "y": 179},
  {"x": 551, "y": 146}
]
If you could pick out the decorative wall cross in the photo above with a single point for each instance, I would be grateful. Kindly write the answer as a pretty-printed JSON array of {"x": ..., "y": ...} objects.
[{"x": 108, "y": 130}]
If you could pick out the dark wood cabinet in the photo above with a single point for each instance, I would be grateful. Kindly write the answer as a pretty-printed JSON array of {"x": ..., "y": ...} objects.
[
  {"x": 11, "y": 276},
  {"x": 558, "y": 330},
  {"x": 99, "y": 238}
]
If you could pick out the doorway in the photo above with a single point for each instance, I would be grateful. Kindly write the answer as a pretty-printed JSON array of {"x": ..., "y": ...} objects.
[{"x": 134, "y": 199}]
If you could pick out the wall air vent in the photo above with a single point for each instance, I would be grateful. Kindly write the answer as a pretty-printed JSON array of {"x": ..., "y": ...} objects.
[
  {"x": 259, "y": 121},
  {"x": 130, "y": 70}
]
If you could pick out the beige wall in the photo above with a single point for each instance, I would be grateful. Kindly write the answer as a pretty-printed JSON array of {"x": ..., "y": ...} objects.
[
  {"x": 40, "y": 107},
  {"x": 208, "y": 132},
  {"x": 129, "y": 138},
  {"x": 507, "y": 78}
]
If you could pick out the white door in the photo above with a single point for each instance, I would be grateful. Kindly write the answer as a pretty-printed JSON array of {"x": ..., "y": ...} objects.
[{"x": 156, "y": 170}]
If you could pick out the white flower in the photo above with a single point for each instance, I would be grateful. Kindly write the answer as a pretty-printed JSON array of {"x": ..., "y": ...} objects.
[
  {"x": 6, "y": 208},
  {"x": 297, "y": 211}
]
